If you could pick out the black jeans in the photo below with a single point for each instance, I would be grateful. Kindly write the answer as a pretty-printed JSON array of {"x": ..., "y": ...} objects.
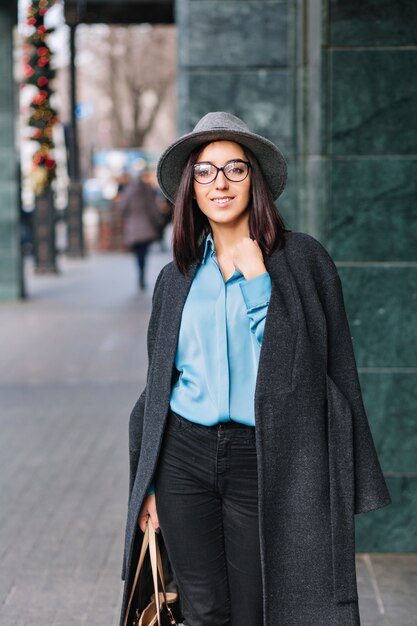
[{"x": 206, "y": 498}]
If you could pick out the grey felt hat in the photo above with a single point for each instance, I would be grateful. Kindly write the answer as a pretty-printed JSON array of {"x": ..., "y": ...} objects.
[{"x": 214, "y": 127}]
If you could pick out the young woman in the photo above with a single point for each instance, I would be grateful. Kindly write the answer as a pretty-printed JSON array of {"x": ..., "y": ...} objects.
[{"x": 250, "y": 448}]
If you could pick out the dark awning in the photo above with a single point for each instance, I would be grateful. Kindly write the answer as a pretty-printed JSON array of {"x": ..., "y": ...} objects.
[{"x": 119, "y": 11}]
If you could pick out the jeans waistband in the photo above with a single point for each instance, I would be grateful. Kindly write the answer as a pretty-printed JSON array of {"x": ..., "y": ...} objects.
[{"x": 231, "y": 424}]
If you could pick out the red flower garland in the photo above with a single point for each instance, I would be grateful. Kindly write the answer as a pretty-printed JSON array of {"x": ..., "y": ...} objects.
[{"x": 38, "y": 72}]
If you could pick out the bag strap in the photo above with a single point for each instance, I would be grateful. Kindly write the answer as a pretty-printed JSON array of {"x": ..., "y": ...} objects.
[
  {"x": 145, "y": 544},
  {"x": 156, "y": 564},
  {"x": 149, "y": 541}
]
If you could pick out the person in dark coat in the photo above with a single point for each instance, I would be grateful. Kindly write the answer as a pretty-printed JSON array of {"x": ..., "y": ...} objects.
[
  {"x": 142, "y": 220},
  {"x": 250, "y": 448}
]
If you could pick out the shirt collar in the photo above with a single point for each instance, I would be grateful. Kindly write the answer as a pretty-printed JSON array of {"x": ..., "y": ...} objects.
[{"x": 208, "y": 248}]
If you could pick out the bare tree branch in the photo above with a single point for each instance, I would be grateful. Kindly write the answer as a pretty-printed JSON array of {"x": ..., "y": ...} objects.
[{"x": 127, "y": 73}]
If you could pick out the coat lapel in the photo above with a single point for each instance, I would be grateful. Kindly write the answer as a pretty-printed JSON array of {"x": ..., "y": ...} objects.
[
  {"x": 162, "y": 366},
  {"x": 276, "y": 360}
]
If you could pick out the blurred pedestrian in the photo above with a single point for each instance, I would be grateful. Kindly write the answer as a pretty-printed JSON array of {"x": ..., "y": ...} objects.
[
  {"x": 142, "y": 221},
  {"x": 249, "y": 447},
  {"x": 165, "y": 208},
  {"x": 122, "y": 181}
]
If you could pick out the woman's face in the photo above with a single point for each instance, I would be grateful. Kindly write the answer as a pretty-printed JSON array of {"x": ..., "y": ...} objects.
[{"x": 222, "y": 201}]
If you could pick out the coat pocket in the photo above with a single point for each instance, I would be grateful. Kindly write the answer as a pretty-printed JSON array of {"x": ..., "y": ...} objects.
[{"x": 342, "y": 493}]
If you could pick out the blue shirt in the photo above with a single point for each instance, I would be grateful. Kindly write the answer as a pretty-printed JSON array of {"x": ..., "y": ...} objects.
[{"x": 219, "y": 344}]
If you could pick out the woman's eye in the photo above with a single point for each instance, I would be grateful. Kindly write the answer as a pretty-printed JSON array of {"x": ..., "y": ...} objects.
[
  {"x": 235, "y": 169},
  {"x": 202, "y": 172}
]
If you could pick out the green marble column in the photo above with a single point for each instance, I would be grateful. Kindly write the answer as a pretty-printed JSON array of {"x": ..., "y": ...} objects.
[
  {"x": 236, "y": 57},
  {"x": 333, "y": 83},
  {"x": 10, "y": 268},
  {"x": 357, "y": 168}
]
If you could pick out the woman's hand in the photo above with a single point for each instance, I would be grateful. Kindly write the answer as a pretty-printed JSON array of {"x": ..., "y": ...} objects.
[
  {"x": 248, "y": 258},
  {"x": 148, "y": 510}
]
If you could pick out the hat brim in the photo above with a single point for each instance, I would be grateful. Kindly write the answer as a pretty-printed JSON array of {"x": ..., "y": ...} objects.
[{"x": 171, "y": 164}]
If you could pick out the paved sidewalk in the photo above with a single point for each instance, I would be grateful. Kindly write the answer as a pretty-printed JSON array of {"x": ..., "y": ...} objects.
[{"x": 71, "y": 367}]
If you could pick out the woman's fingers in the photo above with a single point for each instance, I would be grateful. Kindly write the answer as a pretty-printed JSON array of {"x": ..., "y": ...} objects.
[
  {"x": 147, "y": 511},
  {"x": 142, "y": 521},
  {"x": 248, "y": 258},
  {"x": 153, "y": 512}
]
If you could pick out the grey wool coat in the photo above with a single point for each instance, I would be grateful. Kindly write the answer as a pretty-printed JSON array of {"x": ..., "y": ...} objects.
[{"x": 317, "y": 464}]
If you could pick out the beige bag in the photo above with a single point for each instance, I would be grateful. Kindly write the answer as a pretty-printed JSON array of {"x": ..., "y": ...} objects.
[{"x": 156, "y": 612}]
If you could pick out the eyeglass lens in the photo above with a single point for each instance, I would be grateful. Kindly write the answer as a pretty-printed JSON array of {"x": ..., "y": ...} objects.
[{"x": 234, "y": 171}]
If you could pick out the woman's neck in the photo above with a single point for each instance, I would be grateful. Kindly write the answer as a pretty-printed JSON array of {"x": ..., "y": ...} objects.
[{"x": 225, "y": 239}]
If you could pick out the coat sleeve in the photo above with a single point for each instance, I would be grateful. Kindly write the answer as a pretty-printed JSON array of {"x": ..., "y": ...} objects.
[
  {"x": 137, "y": 414},
  {"x": 135, "y": 437},
  {"x": 371, "y": 491}
]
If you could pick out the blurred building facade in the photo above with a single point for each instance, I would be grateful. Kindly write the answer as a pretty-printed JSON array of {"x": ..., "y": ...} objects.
[{"x": 332, "y": 82}]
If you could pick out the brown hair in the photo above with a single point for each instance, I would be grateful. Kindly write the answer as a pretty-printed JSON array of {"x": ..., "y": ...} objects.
[{"x": 190, "y": 225}]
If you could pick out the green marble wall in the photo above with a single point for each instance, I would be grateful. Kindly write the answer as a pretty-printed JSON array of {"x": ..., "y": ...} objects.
[
  {"x": 236, "y": 56},
  {"x": 10, "y": 270},
  {"x": 333, "y": 83},
  {"x": 369, "y": 224}
]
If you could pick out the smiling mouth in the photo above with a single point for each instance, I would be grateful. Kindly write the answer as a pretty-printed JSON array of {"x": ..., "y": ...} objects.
[{"x": 222, "y": 200}]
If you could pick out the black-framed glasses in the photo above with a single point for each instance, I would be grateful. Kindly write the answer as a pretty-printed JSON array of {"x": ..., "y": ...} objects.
[{"x": 235, "y": 171}]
